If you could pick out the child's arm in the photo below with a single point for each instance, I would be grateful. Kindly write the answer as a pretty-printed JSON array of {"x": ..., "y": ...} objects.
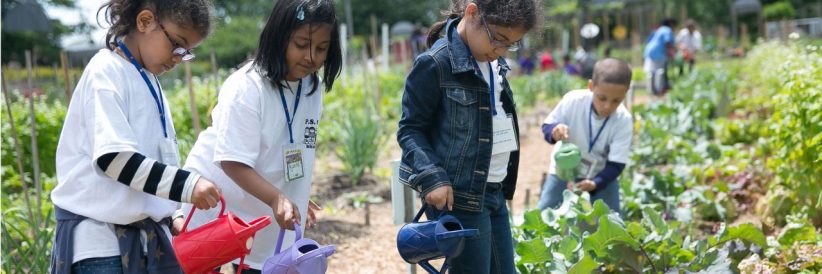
[
  {"x": 286, "y": 212},
  {"x": 150, "y": 176},
  {"x": 420, "y": 107},
  {"x": 553, "y": 129}
]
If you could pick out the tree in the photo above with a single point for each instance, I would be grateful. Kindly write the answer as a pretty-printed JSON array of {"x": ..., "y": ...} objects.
[{"x": 47, "y": 44}]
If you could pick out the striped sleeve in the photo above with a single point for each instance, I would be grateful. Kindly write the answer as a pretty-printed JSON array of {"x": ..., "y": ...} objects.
[{"x": 148, "y": 175}]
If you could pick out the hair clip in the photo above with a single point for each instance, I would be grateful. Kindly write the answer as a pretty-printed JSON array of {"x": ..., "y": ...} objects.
[{"x": 300, "y": 12}]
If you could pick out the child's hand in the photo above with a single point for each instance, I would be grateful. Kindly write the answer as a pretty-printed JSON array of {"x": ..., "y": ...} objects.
[
  {"x": 205, "y": 195},
  {"x": 286, "y": 212},
  {"x": 311, "y": 221},
  {"x": 586, "y": 185},
  {"x": 560, "y": 132},
  {"x": 440, "y": 198},
  {"x": 177, "y": 225}
]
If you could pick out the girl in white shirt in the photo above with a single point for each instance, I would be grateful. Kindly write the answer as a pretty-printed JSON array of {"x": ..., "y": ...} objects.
[
  {"x": 261, "y": 147},
  {"x": 118, "y": 180}
]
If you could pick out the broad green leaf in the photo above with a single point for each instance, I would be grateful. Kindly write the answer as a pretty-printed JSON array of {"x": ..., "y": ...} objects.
[
  {"x": 636, "y": 230},
  {"x": 797, "y": 232},
  {"x": 533, "y": 221},
  {"x": 568, "y": 246},
  {"x": 745, "y": 232},
  {"x": 533, "y": 251},
  {"x": 658, "y": 224},
  {"x": 608, "y": 233},
  {"x": 600, "y": 209},
  {"x": 585, "y": 266}
]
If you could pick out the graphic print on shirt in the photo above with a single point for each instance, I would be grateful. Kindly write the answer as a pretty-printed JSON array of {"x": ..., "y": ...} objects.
[{"x": 310, "y": 136}]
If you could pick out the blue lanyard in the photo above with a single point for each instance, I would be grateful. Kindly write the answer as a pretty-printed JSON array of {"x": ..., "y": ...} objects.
[
  {"x": 290, "y": 118},
  {"x": 157, "y": 98},
  {"x": 593, "y": 140},
  {"x": 493, "y": 95},
  {"x": 490, "y": 82}
]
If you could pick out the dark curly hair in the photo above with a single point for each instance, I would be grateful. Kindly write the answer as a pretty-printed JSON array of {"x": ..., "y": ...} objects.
[
  {"x": 121, "y": 15},
  {"x": 506, "y": 13}
]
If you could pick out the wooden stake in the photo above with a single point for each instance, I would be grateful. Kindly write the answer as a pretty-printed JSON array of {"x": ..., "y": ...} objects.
[
  {"x": 19, "y": 152},
  {"x": 35, "y": 152},
  {"x": 527, "y": 198},
  {"x": 367, "y": 214},
  {"x": 194, "y": 113},
  {"x": 66, "y": 81}
]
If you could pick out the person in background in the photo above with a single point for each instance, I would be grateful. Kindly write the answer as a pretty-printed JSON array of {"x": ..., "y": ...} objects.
[
  {"x": 526, "y": 63},
  {"x": 689, "y": 42},
  {"x": 658, "y": 52},
  {"x": 569, "y": 67},
  {"x": 597, "y": 122},
  {"x": 547, "y": 61}
]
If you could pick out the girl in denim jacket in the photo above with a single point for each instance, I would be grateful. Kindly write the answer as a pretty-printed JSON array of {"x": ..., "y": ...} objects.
[{"x": 458, "y": 131}]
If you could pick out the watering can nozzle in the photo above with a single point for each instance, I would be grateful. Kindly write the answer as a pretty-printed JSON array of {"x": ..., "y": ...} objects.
[{"x": 567, "y": 159}]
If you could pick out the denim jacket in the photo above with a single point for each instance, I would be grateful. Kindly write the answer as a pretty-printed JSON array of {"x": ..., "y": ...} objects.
[{"x": 446, "y": 128}]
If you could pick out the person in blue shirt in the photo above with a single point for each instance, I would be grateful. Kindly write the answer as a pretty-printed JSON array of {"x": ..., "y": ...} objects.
[{"x": 657, "y": 52}]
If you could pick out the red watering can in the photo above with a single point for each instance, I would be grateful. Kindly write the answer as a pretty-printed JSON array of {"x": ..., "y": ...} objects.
[{"x": 217, "y": 242}]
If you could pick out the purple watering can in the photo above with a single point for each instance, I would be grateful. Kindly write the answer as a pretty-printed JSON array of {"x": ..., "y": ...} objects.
[
  {"x": 419, "y": 242},
  {"x": 305, "y": 256}
]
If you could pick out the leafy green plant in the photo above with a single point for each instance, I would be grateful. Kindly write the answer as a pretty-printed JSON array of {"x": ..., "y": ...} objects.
[
  {"x": 791, "y": 76},
  {"x": 579, "y": 237},
  {"x": 361, "y": 135}
]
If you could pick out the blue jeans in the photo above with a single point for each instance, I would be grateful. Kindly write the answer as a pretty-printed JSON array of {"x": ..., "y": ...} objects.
[
  {"x": 105, "y": 265},
  {"x": 492, "y": 251},
  {"x": 552, "y": 194}
]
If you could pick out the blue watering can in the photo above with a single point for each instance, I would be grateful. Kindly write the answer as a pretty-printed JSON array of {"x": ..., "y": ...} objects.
[
  {"x": 419, "y": 242},
  {"x": 305, "y": 256}
]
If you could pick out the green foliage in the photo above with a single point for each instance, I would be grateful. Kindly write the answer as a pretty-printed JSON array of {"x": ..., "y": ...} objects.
[
  {"x": 49, "y": 117},
  {"x": 205, "y": 94},
  {"x": 361, "y": 114},
  {"x": 579, "y": 237},
  {"x": 361, "y": 135},
  {"x": 26, "y": 241},
  {"x": 540, "y": 87},
  {"x": 791, "y": 77},
  {"x": 778, "y": 11}
]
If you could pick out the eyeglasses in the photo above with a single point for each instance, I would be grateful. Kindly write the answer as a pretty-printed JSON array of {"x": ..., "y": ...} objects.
[
  {"x": 497, "y": 43},
  {"x": 185, "y": 54}
]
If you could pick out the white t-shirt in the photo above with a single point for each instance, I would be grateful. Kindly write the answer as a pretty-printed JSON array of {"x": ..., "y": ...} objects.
[
  {"x": 691, "y": 42},
  {"x": 498, "y": 168},
  {"x": 112, "y": 110},
  {"x": 613, "y": 144},
  {"x": 250, "y": 127}
]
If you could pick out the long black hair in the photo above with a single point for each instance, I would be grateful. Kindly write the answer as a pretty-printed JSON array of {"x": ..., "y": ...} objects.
[
  {"x": 121, "y": 15},
  {"x": 506, "y": 13},
  {"x": 286, "y": 17}
]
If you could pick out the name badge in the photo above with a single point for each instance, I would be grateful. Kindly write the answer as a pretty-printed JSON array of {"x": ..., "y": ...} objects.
[
  {"x": 505, "y": 139},
  {"x": 168, "y": 153},
  {"x": 293, "y": 162}
]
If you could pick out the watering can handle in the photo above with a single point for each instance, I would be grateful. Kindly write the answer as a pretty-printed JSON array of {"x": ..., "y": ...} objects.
[
  {"x": 419, "y": 213},
  {"x": 282, "y": 236},
  {"x": 422, "y": 210},
  {"x": 191, "y": 213}
]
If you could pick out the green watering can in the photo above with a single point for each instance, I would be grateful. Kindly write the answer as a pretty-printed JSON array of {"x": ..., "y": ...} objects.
[{"x": 567, "y": 160}]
